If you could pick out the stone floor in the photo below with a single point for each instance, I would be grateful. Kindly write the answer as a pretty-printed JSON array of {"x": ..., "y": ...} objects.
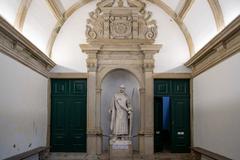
[{"x": 84, "y": 156}]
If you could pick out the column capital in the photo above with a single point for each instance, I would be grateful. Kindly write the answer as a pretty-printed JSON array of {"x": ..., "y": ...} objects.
[
  {"x": 142, "y": 90},
  {"x": 98, "y": 90},
  {"x": 94, "y": 131}
]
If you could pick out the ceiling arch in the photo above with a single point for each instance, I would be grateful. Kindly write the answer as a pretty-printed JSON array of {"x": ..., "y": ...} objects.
[
  {"x": 21, "y": 14},
  {"x": 217, "y": 13},
  {"x": 62, "y": 14},
  {"x": 159, "y": 3},
  {"x": 177, "y": 17}
]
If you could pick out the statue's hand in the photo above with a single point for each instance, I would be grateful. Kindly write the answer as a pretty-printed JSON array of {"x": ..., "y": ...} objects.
[{"x": 130, "y": 110}]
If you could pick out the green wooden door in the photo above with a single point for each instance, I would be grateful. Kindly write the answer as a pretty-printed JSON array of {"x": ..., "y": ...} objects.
[
  {"x": 180, "y": 124},
  {"x": 68, "y": 115},
  {"x": 180, "y": 113},
  {"x": 178, "y": 91}
]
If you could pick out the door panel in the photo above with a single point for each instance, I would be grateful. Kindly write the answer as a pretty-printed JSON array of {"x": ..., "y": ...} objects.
[
  {"x": 59, "y": 87},
  {"x": 178, "y": 91},
  {"x": 78, "y": 87},
  {"x": 77, "y": 123},
  {"x": 59, "y": 130},
  {"x": 68, "y": 116},
  {"x": 180, "y": 124},
  {"x": 158, "y": 117},
  {"x": 180, "y": 87},
  {"x": 162, "y": 87}
]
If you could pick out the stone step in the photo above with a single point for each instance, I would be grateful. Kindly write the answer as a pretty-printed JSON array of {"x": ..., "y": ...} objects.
[
  {"x": 67, "y": 156},
  {"x": 84, "y": 156}
]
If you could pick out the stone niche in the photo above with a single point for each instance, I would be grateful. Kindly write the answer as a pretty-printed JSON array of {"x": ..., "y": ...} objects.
[{"x": 120, "y": 36}]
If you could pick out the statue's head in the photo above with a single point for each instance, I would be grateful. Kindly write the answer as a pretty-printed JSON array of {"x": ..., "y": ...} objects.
[{"x": 122, "y": 88}]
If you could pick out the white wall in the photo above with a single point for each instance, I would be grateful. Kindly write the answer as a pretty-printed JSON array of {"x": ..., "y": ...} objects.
[
  {"x": 23, "y": 108},
  {"x": 200, "y": 23},
  {"x": 230, "y": 9},
  {"x": 39, "y": 24},
  {"x": 8, "y": 9},
  {"x": 67, "y": 53},
  {"x": 216, "y": 107}
]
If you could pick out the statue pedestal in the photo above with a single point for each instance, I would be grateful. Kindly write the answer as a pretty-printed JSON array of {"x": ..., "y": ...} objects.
[{"x": 121, "y": 150}]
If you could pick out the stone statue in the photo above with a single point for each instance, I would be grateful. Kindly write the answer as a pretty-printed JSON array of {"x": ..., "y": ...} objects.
[{"x": 121, "y": 115}]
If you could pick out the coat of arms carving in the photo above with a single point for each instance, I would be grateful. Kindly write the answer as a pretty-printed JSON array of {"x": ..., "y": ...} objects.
[{"x": 115, "y": 20}]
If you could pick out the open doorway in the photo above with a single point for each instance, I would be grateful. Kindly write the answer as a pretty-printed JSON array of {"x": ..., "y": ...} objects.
[
  {"x": 166, "y": 124},
  {"x": 171, "y": 116},
  {"x": 162, "y": 124}
]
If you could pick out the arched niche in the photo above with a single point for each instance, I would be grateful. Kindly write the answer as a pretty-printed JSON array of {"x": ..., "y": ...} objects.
[
  {"x": 137, "y": 73},
  {"x": 109, "y": 86}
]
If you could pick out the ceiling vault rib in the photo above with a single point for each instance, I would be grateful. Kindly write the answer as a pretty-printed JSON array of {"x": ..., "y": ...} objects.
[
  {"x": 21, "y": 14},
  {"x": 75, "y": 7},
  {"x": 217, "y": 13},
  {"x": 187, "y": 36},
  {"x": 184, "y": 10},
  {"x": 61, "y": 21},
  {"x": 164, "y": 6},
  {"x": 53, "y": 37},
  {"x": 179, "y": 22},
  {"x": 56, "y": 8},
  {"x": 159, "y": 3}
]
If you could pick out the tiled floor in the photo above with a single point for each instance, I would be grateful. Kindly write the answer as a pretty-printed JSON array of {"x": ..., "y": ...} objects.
[{"x": 84, "y": 156}]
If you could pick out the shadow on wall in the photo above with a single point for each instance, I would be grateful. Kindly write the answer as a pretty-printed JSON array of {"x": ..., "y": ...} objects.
[
  {"x": 110, "y": 86},
  {"x": 59, "y": 68},
  {"x": 180, "y": 69}
]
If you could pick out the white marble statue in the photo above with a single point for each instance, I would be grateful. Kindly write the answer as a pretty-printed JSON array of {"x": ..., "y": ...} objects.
[{"x": 121, "y": 115}]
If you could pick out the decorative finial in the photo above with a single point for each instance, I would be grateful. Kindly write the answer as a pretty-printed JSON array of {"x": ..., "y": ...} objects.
[{"x": 120, "y": 3}]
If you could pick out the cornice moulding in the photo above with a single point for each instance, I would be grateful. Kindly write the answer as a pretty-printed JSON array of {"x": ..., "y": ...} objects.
[
  {"x": 15, "y": 45},
  {"x": 172, "y": 75},
  {"x": 121, "y": 47},
  {"x": 72, "y": 75},
  {"x": 223, "y": 45}
]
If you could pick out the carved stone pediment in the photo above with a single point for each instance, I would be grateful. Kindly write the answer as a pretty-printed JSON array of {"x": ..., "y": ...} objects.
[{"x": 121, "y": 21}]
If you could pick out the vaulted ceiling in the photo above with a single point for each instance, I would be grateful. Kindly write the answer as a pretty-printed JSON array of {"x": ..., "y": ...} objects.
[{"x": 41, "y": 20}]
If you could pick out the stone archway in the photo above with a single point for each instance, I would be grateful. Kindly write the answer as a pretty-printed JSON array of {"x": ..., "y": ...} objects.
[{"x": 120, "y": 37}]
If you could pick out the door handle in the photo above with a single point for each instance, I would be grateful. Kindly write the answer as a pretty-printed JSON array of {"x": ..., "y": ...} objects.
[{"x": 157, "y": 132}]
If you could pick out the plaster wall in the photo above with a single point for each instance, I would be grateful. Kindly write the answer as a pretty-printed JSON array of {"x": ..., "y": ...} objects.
[
  {"x": 8, "y": 9},
  {"x": 110, "y": 86},
  {"x": 230, "y": 9},
  {"x": 201, "y": 23},
  {"x": 23, "y": 108},
  {"x": 67, "y": 53},
  {"x": 216, "y": 108},
  {"x": 39, "y": 24},
  {"x": 68, "y": 3}
]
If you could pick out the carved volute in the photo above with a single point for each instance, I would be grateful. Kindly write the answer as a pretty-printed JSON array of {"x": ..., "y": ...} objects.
[{"x": 121, "y": 21}]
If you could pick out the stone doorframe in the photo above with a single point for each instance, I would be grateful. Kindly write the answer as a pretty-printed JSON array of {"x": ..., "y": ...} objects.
[{"x": 138, "y": 60}]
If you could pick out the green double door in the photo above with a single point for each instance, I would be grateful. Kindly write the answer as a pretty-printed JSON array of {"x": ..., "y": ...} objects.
[
  {"x": 177, "y": 93},
  {"x": 68, "y": 115}
]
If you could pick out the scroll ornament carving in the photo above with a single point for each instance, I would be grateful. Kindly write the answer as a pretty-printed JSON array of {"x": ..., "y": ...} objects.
[{"x": 120, "y": 20}]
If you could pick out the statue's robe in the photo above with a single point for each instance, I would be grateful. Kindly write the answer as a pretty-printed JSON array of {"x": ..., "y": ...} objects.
[{"x": 119, "y": 117}]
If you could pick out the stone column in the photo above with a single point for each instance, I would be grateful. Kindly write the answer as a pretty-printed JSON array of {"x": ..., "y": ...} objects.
[
  {"x": 148, "y": 65},
  {"x": 149, "y": 116},
  {"x": 91, "y": 103},
  {"x": 93, "y": 132},
  {"x": 142, "y": 120},
  {"x": 98, "y": 121}
]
